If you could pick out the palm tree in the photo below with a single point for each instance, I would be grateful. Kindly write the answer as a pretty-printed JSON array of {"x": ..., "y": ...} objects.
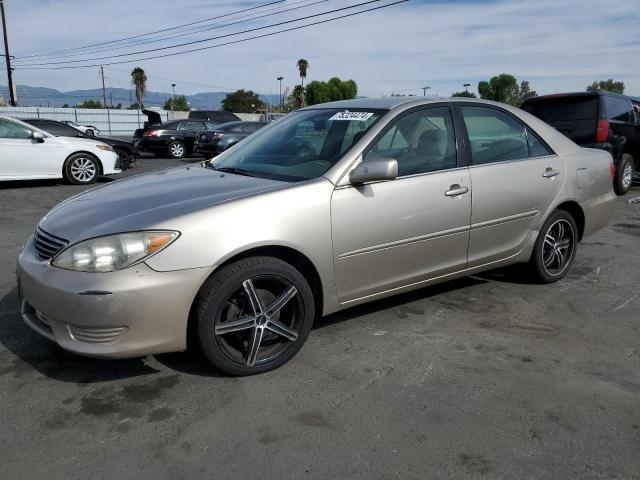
[
  {"x": 139, "y": 80},
  {"x": 303, "y": 66}
]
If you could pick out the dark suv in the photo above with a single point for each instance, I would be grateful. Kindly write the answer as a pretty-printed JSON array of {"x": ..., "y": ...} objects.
[
  {"x": 216, "y": 116},
  {"x": 603, "y": 120}
]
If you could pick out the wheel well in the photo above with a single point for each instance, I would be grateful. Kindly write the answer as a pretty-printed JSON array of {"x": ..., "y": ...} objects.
[
  {"x": 100, "y": 169},
  {"x": 290, "y": 255},
  {"x": 576, "y": 212}
]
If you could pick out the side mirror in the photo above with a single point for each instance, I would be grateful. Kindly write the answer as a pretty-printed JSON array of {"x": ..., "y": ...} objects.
[
  {"x": 38, "y": 137},
  {"x": 374, "y": 170}
]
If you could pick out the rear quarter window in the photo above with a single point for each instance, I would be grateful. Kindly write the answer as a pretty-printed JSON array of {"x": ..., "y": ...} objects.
[
  {"x": 564, "y": 108},
  {"x": 618, "y": 109}
]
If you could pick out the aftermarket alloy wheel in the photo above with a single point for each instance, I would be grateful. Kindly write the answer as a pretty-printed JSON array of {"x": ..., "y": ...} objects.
[
  {"x": 555, "y": 247},
  {"x": 176, "y": 149},
  {"x": 81, "y": 169},
  {"x": 254, "y": 315}
]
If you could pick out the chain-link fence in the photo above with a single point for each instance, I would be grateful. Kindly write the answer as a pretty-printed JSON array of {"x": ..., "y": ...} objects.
[{"x": 107, "y": 121}]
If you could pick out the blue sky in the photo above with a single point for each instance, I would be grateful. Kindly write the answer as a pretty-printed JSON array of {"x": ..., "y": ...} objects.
[{"x": 558, "y": 45}]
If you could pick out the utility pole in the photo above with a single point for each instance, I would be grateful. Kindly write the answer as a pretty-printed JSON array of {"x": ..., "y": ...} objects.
[
  {"x": 424, "y": 91},
  {"x": 466, "y": 87},
  {"x": 7, "y": 57},
  {"x": 281, "y": 102},
  {"x": 104, "y": 90},
  {"x": 173, "y": 100}
]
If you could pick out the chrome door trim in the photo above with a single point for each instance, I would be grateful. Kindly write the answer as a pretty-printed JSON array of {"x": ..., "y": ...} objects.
[
  {"x": 510, "y": 218},
  {"x": 406, "y": 241}
]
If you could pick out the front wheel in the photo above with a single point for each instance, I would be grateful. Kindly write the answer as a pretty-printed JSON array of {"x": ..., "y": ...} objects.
[
  {"x": 624, "y": 175},
  {"x": 555, "y": 247},
  {"x": 254, "y": 315},
  {"x": 90, "y": 132},
  {"x": 81, "y": 169}
]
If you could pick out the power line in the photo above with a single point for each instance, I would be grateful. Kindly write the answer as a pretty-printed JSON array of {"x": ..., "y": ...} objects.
[
  {"x": 157, "y": 31},
  {"x": 24, "y": 66},
  {"x": 204, "y": 28}
]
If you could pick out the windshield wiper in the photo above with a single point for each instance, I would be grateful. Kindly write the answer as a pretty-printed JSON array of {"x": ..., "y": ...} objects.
[{"x": 237, "y": 171}]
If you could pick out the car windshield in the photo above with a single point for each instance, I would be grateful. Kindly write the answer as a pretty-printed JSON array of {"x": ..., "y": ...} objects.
[
  {"x": 300, "y": 146},
  {"x": 229, "y": 126}
]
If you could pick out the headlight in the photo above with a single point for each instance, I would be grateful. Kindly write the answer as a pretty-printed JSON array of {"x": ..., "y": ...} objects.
[
  {"x": 113, "y": 252},
  {"x": 106, "y": 148}
]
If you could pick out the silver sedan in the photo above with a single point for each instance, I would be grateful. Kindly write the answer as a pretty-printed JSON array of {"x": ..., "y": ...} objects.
[{"x": 243, "y": 253}]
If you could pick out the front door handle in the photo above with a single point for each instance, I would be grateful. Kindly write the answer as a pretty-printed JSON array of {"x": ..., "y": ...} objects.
[
  {"x": 456, "y": 190},
  {"x": 550, "y": 173}
]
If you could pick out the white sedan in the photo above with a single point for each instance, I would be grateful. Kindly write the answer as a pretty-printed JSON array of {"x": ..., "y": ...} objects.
[
  {"x": 88, "y": 129},
  {"x": 28, "y": 153}
]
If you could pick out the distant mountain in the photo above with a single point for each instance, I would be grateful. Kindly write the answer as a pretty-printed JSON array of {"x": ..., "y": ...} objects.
[{"x": 43, "y": 97}]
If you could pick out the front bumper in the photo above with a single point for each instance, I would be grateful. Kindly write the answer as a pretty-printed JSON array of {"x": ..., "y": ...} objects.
[
  {"x": 109, "y": 162},
  {"x": 128, "y": 313}
]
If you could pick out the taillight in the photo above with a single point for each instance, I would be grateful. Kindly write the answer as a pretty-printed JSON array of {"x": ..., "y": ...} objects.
[
  {"x": 602, "y": 131},
  {"x": 612, "y": 168},
  {"x": 150, "y": 133}
]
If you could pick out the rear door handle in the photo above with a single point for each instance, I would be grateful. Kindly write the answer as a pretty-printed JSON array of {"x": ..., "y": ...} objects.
[
  {"x": 550, "y": 173},
  {"x": 456, "y": 190}
]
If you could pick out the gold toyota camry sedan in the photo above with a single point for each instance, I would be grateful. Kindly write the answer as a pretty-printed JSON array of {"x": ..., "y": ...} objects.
[{"x": 332, "y": 206}]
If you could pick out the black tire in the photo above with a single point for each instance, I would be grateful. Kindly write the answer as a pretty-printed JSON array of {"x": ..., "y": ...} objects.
[
  {"x": 624, "y": 175},
  {"x": 124, "y": 158},
  {"x": 176, "y": 149},
  {"x": 81, "y": 169},
  {"x": 90, "y": 132},
  {"x": 551, "y": 257},
  {"x": 224, "y": 298}
]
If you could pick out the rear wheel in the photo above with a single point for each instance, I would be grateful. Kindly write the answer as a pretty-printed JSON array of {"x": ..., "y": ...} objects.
[
  {"x": 90, "y": 132},
  {"x": 624, "y": 175},
  {"x": 254, "y": 315},
  {"x": 555, "y": 247},
  {"x": 176, "y": 149},
  {"x": 81, "y": 169}
]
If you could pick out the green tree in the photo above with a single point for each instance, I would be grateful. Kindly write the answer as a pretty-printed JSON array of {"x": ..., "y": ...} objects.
[
  {"x": 89, "y": 104},
  {"x": 139, "y": 81},
  {"x": 303, "y": 66},
  {"x": 522, "y": 93},
  {"x": 609, "y": 85},
  {"x": 180, "y": 104},
  {"x": 334, "y": 89},
  {"x": 500, "y": 88},
  {"x": 295, "y": 99},
  {"x": 242, "y": 101},
  {"x": 464, "y": 94},
  {"x": 135, "y": 106}
]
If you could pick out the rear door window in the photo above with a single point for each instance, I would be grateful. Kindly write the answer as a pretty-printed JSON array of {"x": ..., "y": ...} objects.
[{"x": 494, "y": 136}]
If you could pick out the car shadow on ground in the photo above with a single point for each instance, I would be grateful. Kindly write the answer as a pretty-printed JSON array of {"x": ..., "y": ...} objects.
[{"x": 33, "y": 352}]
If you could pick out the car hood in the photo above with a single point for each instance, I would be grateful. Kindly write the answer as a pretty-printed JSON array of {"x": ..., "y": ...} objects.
[
  {"x": 147, "y": 201},
  {"x": 79, "y": 141}
]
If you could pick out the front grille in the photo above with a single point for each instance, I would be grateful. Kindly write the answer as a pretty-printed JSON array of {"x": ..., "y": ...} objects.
[
  {"x": 95, "y": 335},
  {"x": 47, "y": 245}
]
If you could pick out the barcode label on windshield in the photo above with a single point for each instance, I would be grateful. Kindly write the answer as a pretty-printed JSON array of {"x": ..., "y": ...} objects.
[{"x": 356, "y": 116}]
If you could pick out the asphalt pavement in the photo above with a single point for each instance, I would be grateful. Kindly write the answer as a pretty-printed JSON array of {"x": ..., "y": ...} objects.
[{"x": 484, "y": 377}]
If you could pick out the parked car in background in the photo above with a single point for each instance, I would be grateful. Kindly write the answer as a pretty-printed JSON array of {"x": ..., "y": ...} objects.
[
  {"x": 87, "y": 129},
  {"x": 225, "y": 136},
  {"x": 242, "y": 256},
  {"x": 271, "y": 116},
  {"x": 28, "y": 153},
  {"x": 125, "y": 150},
  {"x": 174, "y": 138},
  {"x": 603, "y": 120},
  {"x": 215, "y": 116}
]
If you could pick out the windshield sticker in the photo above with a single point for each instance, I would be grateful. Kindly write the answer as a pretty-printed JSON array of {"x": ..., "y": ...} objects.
[{"x": 355, "y": 116}]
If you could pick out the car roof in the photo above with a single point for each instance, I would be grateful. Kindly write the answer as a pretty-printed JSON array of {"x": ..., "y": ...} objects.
[{"x": 579, "y": 94}]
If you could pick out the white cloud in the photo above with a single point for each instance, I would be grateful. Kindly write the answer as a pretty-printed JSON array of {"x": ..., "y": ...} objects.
[{"x": 557, "y": 45}]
